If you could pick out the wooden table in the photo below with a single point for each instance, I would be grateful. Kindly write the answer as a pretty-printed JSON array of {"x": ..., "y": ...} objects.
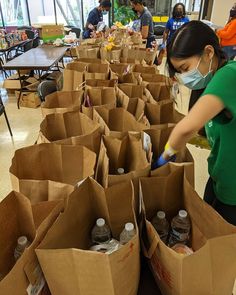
[{"x": 42, "y": 58}]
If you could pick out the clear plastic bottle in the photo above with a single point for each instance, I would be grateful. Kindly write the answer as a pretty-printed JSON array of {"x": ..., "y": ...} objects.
[
  {"x": 161, "y": 225},
  {"x": 120, "y": 171},
  {"x": 128, "y": 233},
  {"x": 180, "y": 229},
  {"x": 101, "y": 233},
  {"x": 22, "y": 244}
]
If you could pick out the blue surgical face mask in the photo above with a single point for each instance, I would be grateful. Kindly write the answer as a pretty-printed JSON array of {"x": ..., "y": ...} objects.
[
  {"x": 194, "y": 79},
  {"x": 104, "y": 12}
]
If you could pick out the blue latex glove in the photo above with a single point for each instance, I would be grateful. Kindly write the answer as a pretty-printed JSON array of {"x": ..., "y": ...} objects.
[
  {"x": 161, "y": 162},
  {"x": 162, "y": 46}
]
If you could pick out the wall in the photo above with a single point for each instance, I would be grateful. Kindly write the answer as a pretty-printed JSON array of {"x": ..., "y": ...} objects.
[{"x": 220, "y": 12}]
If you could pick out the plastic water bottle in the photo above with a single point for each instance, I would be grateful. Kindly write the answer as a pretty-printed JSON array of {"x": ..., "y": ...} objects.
[
  {"x": 22, "y": 244},
  {"x": 120, "y": 171},
  {"x": 101, "y": 233},
  {"x": 128, "y": 233},
  {"x": 161, "y": 225},
  {"x": 180, "y": 229}
]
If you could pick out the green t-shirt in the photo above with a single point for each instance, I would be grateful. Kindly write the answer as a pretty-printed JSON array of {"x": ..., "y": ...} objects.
[{"x": 221, "y": 133}]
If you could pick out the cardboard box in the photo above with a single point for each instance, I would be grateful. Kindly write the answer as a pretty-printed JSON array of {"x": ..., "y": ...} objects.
[{"x": 51, "y": 32}]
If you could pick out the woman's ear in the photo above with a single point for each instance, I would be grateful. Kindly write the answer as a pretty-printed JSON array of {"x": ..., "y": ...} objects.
[{"x": 209, "y": 51}]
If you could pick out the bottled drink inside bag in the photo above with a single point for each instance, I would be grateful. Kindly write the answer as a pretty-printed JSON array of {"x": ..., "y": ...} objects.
[
  {"x": 161, "y": 225},
  {"x": 180, "y": 229},
  {"x": 101, "y": 233},
  {"x": 128, "y": 233},
  {"x": 120, "y": 171},
  {"x": 22, "y": 244}
]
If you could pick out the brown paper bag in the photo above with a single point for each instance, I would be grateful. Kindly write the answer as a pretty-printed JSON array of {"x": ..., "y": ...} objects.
[
  {"x": 70, "y": 128},
  {"x": 132, "y": 78},
  {"x": 156, "y": 78},
  {"x": 16, "y": 219},
  {"x": 62, "y": 102},
  {"x": 152, "y": 70},
  {"x": 69, "y": 239},
  {"x": 91, "y": 61},
  {"x": 97, "y": 71},
  {"x": 117, "y": 120},
  {"x": 100, "y": 96},
  {"x": 86, "y": 52},
  {"x": 121, "y": 68},
  {"x": 111, "y": 55},
  {"x": 212, "y": 237},
  {"x": 122, "y": 98},
  {"x": 72, "y": 80},
  {"x": 28, "y": 99},
  {"x": 45, "y": 190},
  {"x": 123, "y": 150},
  {"x": 61, "y": 163},
  {"x": 134, "y": 91},
  {"x": 140, "y": 54},
  {"x": 155, "y": 90},
  {"x": 137, "y": 108},
  {"x": 100, "y": 83},
  {"x": 161, "y": 112},
  {"x": 78, "y": 66}
]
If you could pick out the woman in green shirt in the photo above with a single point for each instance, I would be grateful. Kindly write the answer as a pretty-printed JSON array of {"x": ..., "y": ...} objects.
[{"x": 196, "y": 60}]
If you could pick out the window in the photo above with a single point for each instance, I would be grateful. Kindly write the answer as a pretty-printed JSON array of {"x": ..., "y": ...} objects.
[
  {"x": 69, "y": 12},
  {"x": 15, "y": 12},
  {"x": 41, "y": 11}
]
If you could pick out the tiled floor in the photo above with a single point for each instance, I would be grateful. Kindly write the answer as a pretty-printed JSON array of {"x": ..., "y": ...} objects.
[{"x": 25, "y": 126}]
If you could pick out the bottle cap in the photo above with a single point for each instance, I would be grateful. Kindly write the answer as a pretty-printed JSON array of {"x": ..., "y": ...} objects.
[
  {"x": 161, "y": 215},
  {"x": 129, "y": 226},
  {"x": 121, "y": 171},
  {"x": 100, "y": 222},
  {"x": 22, "y": 241},
  {"x": 183, "y": 214}
]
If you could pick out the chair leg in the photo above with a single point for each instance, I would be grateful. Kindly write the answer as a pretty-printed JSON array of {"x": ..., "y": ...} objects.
[
  {"x": 18, "y": 100},
  {"x": 8, "y": 125}
]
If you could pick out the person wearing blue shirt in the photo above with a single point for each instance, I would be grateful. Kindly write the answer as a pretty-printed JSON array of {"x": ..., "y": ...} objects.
[
  {"x": 175, "y": 22},
  {"x": 96, "y": 16}
]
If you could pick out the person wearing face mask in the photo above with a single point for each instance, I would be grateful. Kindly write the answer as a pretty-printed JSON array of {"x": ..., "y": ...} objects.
[
  {"x": 146, "y": 22},
  {"x": 200, "y": 63},
  {"x": 96, "y": 16},
  {"x": 228, "y": 36},
  {"x": 175, "y": 22}
]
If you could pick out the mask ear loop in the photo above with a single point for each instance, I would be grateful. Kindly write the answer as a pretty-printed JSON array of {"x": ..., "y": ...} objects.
[{"x": 210, "y": 69}]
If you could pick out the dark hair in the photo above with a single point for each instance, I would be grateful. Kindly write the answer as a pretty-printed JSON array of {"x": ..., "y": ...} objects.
[
  {"x": 174, "y": 14},
  {"x": 105, "y": 3},
  {"x": 190, "y": 40},
  {"x": 138, "y": 2}
]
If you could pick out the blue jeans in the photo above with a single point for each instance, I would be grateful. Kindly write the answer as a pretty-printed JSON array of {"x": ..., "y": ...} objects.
[{"x": 230, "y": 51}]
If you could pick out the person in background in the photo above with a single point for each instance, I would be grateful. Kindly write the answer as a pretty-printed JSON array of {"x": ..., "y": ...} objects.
[
  {"x": 146, "y": 22},
  {"x": 175, "y": 22},
  {"x": 199, "y": 62},
  {"x": 231, "y": 12},
  {"x": 227, "y": 36},
  {"x": 95, "y": 16}
]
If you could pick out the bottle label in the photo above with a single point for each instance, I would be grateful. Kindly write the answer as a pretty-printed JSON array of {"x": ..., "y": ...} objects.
[{"x": 179, "y": 236}]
